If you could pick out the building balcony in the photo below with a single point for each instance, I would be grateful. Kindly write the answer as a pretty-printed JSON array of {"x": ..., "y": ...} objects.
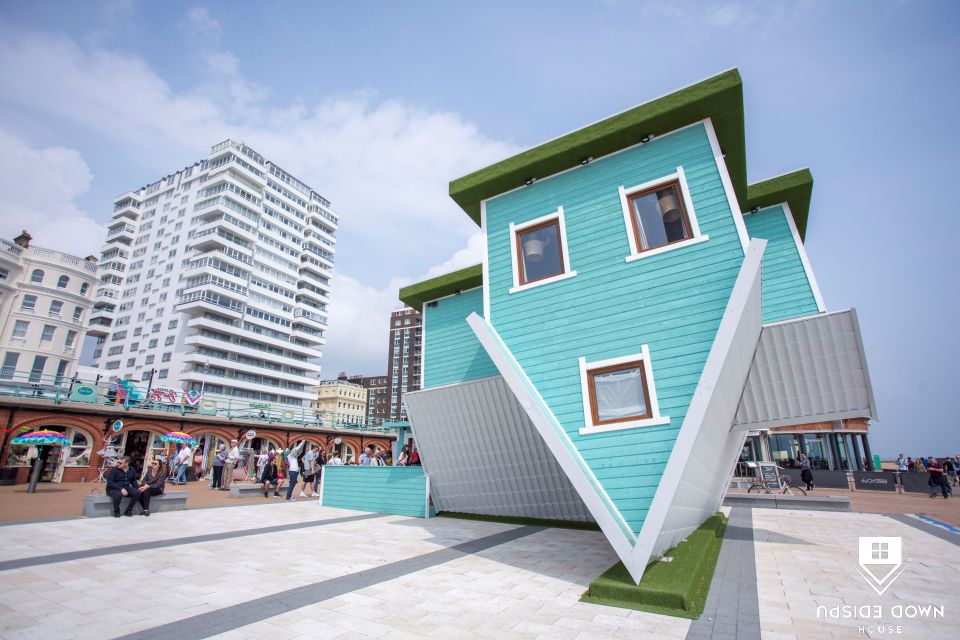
[
  {"x": 232, "y": 255},
  {"x": 311, "y": 319},
  {"x": 206, "y": 300},
  {"x": 236, "y": 328},
  {"x": 219, "y": 222},
  {"x": 99, "y": 326},
  {"x": 214, "y": 280},
  {"x": 312, "y": 264},
  {"x": 229, "y": 379},
  {"x": 121, "y": 231},
  {"x": 107, "y": 292},
  {"x": 308, "y": 334},
  {"x": 197, "y": 340},
  {"x": 214, "y": 239},
  {"x": 231, "y": 362},
  {"x": 205, "y": 268},
  {"x": 126, "y": 206}
]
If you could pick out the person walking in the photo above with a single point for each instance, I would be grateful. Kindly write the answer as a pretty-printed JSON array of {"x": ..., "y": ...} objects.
[
  {"x": 269, "y": 476},
  {"x": 404, "y": 456},
  {"x": 335, "y": 460},
  {"x": 184, "y": 457},
  {"x": 293, "y": 469},
  {"x": 320, "y": 462},
  {"x": 901, "y": 463},
  {"x": 151, "y": 484},
  {"x": 122, "y": 483},
  {"x": 310, "y": 470},
  {"x": 806, "y": 472},
  {"x": 950, "y": 467},
  {"x": 219, "y": 459},
  {"x": 233, "y": 458},
  {"x": 937, "y": 478},
  {"x": 415, "y": 457}
]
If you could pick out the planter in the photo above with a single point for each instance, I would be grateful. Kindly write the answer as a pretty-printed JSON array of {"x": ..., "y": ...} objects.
[{"x": 8, "y": 476}]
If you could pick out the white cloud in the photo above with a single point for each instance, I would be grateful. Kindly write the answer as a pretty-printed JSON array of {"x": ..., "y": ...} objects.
[
  {"x": 38, "y": 189},
  {"x": 467, "y": 257},
  {"x": 384, "y": 163}
]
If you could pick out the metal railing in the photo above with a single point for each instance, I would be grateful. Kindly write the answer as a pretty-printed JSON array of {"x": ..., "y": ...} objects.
[{"x": 152, "y": 395}]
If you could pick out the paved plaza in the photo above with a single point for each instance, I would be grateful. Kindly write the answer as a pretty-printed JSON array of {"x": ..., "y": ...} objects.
[{"x": 299, "y": 570}]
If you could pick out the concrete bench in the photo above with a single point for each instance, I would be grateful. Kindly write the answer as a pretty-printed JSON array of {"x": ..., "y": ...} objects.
[
  {"x": 779, "y": 501},
  {"x": 95, "y": 506},
  {"x": 250, "y": 489}
]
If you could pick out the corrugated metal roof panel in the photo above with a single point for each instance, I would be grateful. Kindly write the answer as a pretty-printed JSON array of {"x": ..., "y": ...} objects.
[
  {"x": 484, "y": 456},
  {"x": 807, "y": 370}
]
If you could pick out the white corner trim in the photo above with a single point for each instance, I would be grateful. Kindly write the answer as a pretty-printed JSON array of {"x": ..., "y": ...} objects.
[
  {"x": 537, "y": 283},
  {"x": 423, "y": 343},
  {"x": 654, "y": 420},
  {"x": 426, "y": 500},
  {"x": 589, "y": 489},
  {"x": 735, "y": 210},
  {"x": 695, "y": 235},
  {"x": 804, "y": 259},
  {"x": 515, "y": 259},
  {"x": 486, "y": 260},
  {"x": 750, "y": 273},
  {"x": 667, "y": 247}
]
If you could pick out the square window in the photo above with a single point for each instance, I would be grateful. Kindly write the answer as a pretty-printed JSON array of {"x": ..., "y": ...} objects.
[
  {"x": 659, "y": 216},
  {"x": 29, "y": 303},
  {"x": 619, "y": 393},
  {"x": 539, "y": 252}
]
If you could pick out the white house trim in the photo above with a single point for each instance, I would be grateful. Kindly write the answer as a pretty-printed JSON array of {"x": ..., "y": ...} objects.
[
  {"x": 737, "y": 306},
  {"x": 655, "y": 418},
  {"x": 804, "y": 259},
  {"x": 601, "y": 507},
  {"x": 515, "y": 229},
  {"x": 696, "y": 237},
  {"x": 735, "y": 209},
  {"x": 423, "y": 342},
  {"x": 486, "y": 260}
]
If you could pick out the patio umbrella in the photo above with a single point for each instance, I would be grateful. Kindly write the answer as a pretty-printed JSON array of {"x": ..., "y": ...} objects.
[
  {"x": 39, "y": 439},
  {"x": 179, "y": 436}
]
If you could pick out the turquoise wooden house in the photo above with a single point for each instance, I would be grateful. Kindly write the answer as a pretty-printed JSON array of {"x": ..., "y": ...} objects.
[{"x": 602, "y": 362}]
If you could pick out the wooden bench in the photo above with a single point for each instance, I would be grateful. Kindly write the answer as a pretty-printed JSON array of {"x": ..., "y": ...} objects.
[
  {"x": 95, "y": 506},
  {"x": 250, "y": 489}
]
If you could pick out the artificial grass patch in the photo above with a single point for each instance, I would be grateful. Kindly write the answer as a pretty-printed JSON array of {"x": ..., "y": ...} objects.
[
  {"x": 537, "y": 522},
  {"x": 676, "y": 588}
]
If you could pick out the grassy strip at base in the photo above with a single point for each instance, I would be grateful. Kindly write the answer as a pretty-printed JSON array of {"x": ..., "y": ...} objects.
[
  {"x": 538, "y": 522},
  {"x": 677, "y": 588}
]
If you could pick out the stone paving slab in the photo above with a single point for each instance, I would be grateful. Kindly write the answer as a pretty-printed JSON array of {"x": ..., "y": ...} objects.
[
  {"x": 524, "y": 588},
  {"x": 807, "y": 560}
]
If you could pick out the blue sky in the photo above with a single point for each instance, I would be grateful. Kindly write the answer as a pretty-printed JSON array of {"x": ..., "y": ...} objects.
[{"x": 379, "y": 104}]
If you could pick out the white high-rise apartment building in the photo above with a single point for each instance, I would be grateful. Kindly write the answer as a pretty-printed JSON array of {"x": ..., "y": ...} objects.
[{"x": 218, "y": 276}]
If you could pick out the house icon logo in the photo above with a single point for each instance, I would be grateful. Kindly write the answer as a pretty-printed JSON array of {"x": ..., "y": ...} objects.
[{"x": 881, "y": 561}]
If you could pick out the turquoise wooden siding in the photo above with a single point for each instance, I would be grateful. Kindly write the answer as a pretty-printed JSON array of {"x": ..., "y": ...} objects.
[
  {"x": 397, "y": 490},
  {"x": 451, "y": 351},
  {"x": 786, "y": 289},
  {"x": 673, "y": 301}
]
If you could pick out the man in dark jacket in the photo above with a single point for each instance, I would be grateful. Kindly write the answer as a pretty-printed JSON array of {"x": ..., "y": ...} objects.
[{"x": 122, "y": 483}]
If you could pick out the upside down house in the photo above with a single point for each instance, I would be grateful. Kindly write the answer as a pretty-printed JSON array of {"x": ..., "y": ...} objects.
[{"x": 640, "y": 307}]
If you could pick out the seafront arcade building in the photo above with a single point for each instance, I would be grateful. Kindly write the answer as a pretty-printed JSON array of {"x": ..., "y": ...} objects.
[{"x": 639, "y": 310}]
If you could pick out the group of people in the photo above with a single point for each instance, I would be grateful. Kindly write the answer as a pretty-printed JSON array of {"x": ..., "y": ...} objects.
[
  {"x": 272, "y": 466},
  {"x": 944, "y": 474},
  {"x": 122, "y": 483}
]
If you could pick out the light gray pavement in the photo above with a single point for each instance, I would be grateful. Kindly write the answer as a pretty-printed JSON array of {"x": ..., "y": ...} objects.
[{"x": 319, "y": 572}]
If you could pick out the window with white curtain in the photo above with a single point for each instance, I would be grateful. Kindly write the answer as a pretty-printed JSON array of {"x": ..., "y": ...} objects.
[{"x": 619, "y": 393}]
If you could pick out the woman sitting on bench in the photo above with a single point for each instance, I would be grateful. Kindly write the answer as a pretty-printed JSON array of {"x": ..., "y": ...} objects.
[{"x": 152, "y": 484}]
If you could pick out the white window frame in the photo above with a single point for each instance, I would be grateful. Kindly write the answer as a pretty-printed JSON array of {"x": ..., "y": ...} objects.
[
  {"x": 519, "y": 228},
  {"x": 696, "y": 236},
  {"x": 654, "y": 420}
]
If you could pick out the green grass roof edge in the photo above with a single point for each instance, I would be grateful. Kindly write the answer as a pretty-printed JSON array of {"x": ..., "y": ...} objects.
[
  {"x": 719, "y": 98},
  {"x": 415, "y": 295}
]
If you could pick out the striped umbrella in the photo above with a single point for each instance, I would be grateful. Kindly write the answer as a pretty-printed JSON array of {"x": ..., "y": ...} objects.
[
  {"x": 179, "y": 436},
  {"x": 41, "y": 438}
]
